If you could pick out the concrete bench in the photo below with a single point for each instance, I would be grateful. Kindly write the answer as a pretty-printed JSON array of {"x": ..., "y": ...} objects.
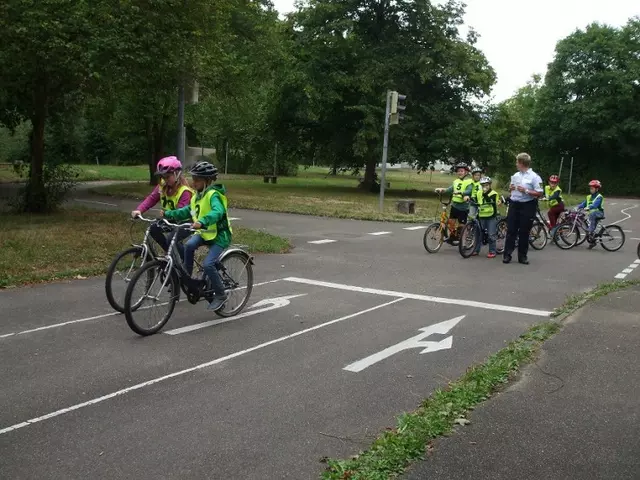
[
  {"x": 406, "y": 206},
  {"x": 270, "y": 178}
]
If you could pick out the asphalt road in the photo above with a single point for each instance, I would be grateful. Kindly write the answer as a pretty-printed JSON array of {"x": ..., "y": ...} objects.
[{"x": 268, "y": 395}]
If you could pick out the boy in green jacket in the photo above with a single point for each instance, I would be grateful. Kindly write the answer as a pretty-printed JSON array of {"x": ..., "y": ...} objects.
[{"x": 208, "y": 210}]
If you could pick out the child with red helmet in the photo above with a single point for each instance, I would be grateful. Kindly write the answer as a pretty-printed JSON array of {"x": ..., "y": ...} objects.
[
  {"x": 553, "y": 194},
  {"x": 594, "y": 204},
  {"x": 173, "y": 192}
]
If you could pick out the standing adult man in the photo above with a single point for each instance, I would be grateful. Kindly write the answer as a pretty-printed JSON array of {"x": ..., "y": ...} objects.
[{"x": 526, "y": 187}]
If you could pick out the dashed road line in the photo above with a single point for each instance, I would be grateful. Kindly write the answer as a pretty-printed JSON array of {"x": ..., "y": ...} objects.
[
  {"x": 319, "y": 242},
  {"x": 623, "y": 211},
  {"x": 623, "y": 274},
  {"x": 415, "y": 228},
  {"x": 379, "y": 233}
]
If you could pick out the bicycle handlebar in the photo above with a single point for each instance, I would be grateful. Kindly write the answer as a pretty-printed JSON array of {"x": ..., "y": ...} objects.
[{"x": 184, "y": 226}]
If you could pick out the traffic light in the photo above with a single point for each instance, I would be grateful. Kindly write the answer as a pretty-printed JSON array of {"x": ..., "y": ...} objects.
[{"x": 397, "y": 107}]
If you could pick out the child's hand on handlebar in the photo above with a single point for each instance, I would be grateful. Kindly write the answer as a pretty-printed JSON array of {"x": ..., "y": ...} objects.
[
  {"x": 196, "y": 226},
  {"x": 135, "y": 213},
  {"x": 439, "y": 190},
  {"x": 467, "y": 198}
]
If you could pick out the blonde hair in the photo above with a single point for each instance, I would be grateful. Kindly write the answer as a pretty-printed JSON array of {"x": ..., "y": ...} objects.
[
  {"x": 168, "y": 191},
  {"x": 524, "y": 159}
]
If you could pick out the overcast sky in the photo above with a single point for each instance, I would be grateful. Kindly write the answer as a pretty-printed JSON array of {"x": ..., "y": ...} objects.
[{"x": 519, "y": 37}]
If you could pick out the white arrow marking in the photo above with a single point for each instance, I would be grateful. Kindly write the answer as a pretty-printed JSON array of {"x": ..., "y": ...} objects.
[
  {"x": 413, "y": 342},
  {"x": 267, "y": 303}
]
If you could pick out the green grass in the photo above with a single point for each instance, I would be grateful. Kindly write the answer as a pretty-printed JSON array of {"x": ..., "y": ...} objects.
[
  {"x": 79, "y": 242},
  {"x": 89, "y": 173},
  {"x": 573, "y": 302},
  {"x": 393, "y": 450}
]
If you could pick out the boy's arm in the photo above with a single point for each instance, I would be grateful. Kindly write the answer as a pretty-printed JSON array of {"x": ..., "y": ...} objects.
[
  {"x": 216, "y": 213},
  {"x": 583, "y": 204},
  {"x": 178, "y": 215}
]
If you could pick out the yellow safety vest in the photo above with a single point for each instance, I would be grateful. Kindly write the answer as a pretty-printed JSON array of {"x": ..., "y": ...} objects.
[
  {"x": 548, "y": 192},
  {"x": 485, "y": 207},
  {"x": 459, "y": 187},
  {"x": 171, "y": 202},
  {"x": 201, "y": 207},
  {"x": 590, "y": 201}
]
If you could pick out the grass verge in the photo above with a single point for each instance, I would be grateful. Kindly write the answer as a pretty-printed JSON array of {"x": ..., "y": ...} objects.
[
  {"x": 91, "y": 173},
  {"x": 395, "y": 449},
  {"x": 574, "y": 302},
  {"x": 79, "y": 242},
  {"x": 392, "y": 452}
]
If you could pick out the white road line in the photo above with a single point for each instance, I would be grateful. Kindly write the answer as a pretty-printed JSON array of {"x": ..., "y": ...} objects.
[
  {"x": 248, "y": 313},
  {"x": 96, "y": 317},
  {"x": 635, "y": 239},
  {"x": 613, "y": 204},
  {"x": 621, "y": 276},
  {"x": 319, "y": 242},
  {"x": 426, "y": 298},
  {"x": 78, "y": 406},
  {"x": 94, "y": 201},
  {"x": 627, "y": 231},
  {"x": 637, "y": 262},
  {"x": 415, "y": 228},
  {"x": 627, "y": 270},
  {"x": 633, "y": 265},
  {"x": 623, "y": 211},
  {"x": 379, "y": 233},
  {"x": 234, "y": 218}
]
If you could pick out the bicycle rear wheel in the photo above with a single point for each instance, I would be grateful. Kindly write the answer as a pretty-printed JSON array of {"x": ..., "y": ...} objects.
[
  {"x": 236, "y": 272},
  {"x": 501, "y": 236},
  {"x": 119, "y": 275},
  {"x": 538, "y": 236},
  {"x": 434, "y": 237},
  {"x": 612, "y": 238},
  {"x": 149, "y": 291},
  {"x": 469, "y": 239}
]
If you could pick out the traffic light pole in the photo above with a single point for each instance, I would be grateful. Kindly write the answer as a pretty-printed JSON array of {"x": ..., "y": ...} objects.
[{"x": 385, "y": 147}]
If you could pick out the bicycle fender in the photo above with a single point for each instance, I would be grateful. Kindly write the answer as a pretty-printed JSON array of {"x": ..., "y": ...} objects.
[{"x": 242, "y": 252}]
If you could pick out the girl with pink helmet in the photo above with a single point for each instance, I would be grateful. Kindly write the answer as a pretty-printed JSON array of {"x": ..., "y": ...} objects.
[{"x": 172, "y": 191}]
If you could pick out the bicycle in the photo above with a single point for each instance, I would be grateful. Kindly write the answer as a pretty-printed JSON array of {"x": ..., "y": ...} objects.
[
  {"x": 472, "y": 233},
  {"x": 168, "y": 271},
  {"x": 439, "y": 230},
  {"x": 577, "y": 221},
  {"x": 538, "y": 235}
]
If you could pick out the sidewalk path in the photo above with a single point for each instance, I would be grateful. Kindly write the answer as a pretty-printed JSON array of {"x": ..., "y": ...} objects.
[{"x": 575, "y": 414}]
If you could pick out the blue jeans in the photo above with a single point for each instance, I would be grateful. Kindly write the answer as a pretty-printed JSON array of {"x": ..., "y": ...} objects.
[
  {"x": 491, "y": 224},
  {"x": 209, "y": 263},
  {"x": 593, "y": 219}
]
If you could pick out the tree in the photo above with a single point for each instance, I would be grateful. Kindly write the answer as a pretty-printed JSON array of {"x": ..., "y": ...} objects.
[{"x": 45, "y": 59}]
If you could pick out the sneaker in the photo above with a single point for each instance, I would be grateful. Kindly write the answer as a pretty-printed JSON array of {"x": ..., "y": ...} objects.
[
  {"x": 218, "y": 302},
  {"x": 491, "y": 255},
  {"x": 475, "y": 254}
]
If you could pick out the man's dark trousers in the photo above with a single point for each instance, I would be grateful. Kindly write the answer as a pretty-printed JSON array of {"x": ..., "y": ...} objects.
[{"x": 519, "y": 223}]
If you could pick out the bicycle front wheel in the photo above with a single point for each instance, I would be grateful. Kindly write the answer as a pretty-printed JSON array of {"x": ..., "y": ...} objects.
[
  {"x": 236, "y": 272},
  {"x": 612, "y": 238},
  {"x": 433, "y": 238},
  {"x": 538, "y": 236},
  {"x": 469, "y": 239},
  {"x": 152, "y": 296},
  {"x": 566, "y": 236},
  {"x": 119, "y": 274}
]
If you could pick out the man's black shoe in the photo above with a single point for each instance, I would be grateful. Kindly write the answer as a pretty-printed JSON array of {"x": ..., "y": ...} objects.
[
  {"x": 506, "y": 258},
  {"x": 523, "y": 260}
]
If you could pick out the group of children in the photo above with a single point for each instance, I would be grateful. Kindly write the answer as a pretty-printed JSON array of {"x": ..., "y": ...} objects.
[
  {"x": 205, "y": 204},
  {"x": 476, "y": 192}
]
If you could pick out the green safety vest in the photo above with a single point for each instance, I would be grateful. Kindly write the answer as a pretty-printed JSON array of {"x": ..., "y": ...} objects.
[
  {"x": 485, "y": 203},
  {"x": 590, "y": 202},
  {"x": 459, "y": 187},
  {"x": 548, "y": 192},
  {"x": 171, "y": 202},
  {"x": 201, "y": 207}
]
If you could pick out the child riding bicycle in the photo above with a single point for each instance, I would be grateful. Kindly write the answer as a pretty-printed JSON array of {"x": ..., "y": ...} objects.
[
  {"x": 487, "y": 200},
  {"x": 553, "y": 194},
  {"x": 173, "y": 192},
  {"x": 208, "y": 211},
  {"x": 594, "y": 205},
  {"x": 461, "y": 189}
]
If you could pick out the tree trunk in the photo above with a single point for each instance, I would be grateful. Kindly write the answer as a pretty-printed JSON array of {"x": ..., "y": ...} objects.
[
  {"x": 369, "y": 183},
  {"x": 35, "y": 195}
]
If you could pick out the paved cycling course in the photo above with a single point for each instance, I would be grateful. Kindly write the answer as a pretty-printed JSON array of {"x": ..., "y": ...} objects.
[{"x": 262, "y": 409}]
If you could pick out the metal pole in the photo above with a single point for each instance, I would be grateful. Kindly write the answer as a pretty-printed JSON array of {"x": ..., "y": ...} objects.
[
  {"x": 570, "y": 175},
  {"x": 385, "y": 147},
  {"x": 181, "y": 139},
  {"x": 226, "y": 156},
  {"x": 560, "y": 171}
]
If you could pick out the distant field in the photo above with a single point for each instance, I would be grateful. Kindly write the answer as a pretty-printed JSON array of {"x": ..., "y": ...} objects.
[{"x": 89, "y": 173}]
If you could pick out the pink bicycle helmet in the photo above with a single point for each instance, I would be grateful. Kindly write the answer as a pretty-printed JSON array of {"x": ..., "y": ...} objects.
[{"x": 168, "y": 165}]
